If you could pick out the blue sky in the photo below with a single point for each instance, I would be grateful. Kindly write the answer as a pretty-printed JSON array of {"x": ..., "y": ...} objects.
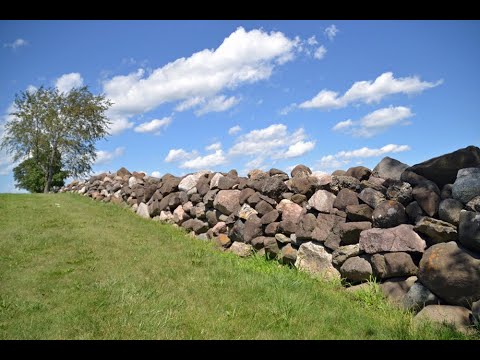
[{"x": 192, "y": 95}]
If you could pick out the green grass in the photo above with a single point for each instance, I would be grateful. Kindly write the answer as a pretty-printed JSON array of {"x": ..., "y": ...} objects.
[{"x": 72, "y": 268}]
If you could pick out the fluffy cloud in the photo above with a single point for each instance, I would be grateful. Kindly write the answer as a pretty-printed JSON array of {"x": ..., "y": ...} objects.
[
  {"x": 179, "y": 154},
  {"x": 320, "y": 52},
  {"x": 244, "y": 57},
  {"x": 298, "y": 149},
  {"x": 214, "y": 147},
  {"x": 153, "y": 126},
  {"x": 156, "y": 174},
  {"x": 104, "y": 156},
  {"x": 331, "y": 31},
  {"x": 207, "y": 161},
  {"x": 375, "y": 122},
  {"x": 234, "y": 129},
  {"x": 312, "y": 41},
  {"x": 16, "y": 44},
  {"x": 217, "y": 104},
  {"x": 369, "y": 91},
  {"x": 343, "y": 158},
  {"x": 67, "y": 82},
  {"x": 287, "y": 109}
]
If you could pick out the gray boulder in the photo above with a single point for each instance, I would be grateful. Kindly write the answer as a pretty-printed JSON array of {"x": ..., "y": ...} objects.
[
  {"x": 474, "y": 204},
  {"x": 414, "y": 212},
  {"x": 361, "y": 212},
  {"x": 356, "y": 269},
  {"x": 393, "y": 265},
  {"x": 397, "y": 239},
  {"x": 467, "y": 185},
  {"x": 418, "y": 297},
  {"x": 389, "y": 213},
  {"x": 449, "y": 211},
  {"x": 427, "y": 198},
  {"x": 457, "y": 316},
  {"x": 350, "y": 231},
  {"x": 469, "y": 230},
  {"x": 340, "y": 255},
  {"x": 322, "y": 201},
  {"x": 195, "y": 225},
  {"x": 359, "y": 172},
  {"x": 389, "y": 168},
  {"x": 396, "y": 289},
  {"x": 437, "y": 231},
  {"x": 227, "y": 201},
  {"x": 344, "y": 198},
  {"x": 313, "y": 258},
  {"x": 252, "y": 229},
  {"x": 371, "y": 197},
  {"x": 399, "y": 191},
  {"x": 300, "y": 170},
  {"x": 241, "y": 249}
]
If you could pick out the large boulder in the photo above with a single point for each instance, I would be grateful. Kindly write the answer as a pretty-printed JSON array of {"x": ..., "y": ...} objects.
[
  {"x": 350, "y": 231},
  {"x": 122, "y": 172},
  {"x": 395, "y": 289},
  {"x": 474, "y": 204},
  {"x": 359, "y": 172},
  {"x": 142, "y": 211},
  {"x": 340, "y": 255},
  {"x": 467, "y": 185},
  {"x": 399, "y": 238},
  {"x": 304, "y": 185},
  {"x": 356, "y": 269},
  {"x": 345, "y": 197},
  {"x": 449, "y": 211},
  {"x": 399, "y": 191},
  {"x": 361, "y": 212},
  {"x": 190, "y": 181},
  {"x": 389, "y": 168},
  {"x": 388, "y": 214},
  {"x": 443, "y": 169},
  {"x": 418, "y": 297},
  {"x": 270, "y": 217},
  {"x": 457, "y": 316},
  {"x": 414, "y": 212},
  {"x": 371, "y": 197},
  {"x": 227, "y": 201},
  {"x": 393, "y": 264},
  {"x": 469, "y": 230},
  {"x": 290, "y": 211},
  {"x": 215, "y": 179},
  {"x": 274, "y": 187},
  {"x": 452, "y": 273},
  {"x": 427, "y": 197},
  {"x": 227, "y": 182},
  {"x": 436, "y": 230},
  {"x": 246, "y": 211},
  {"x": 322, "y": 201},
  {"x": 313, "y": 258},
  {"x": 343, "y": 182},
  {"x": 252, "y": 229},
  {"x": 300, "y": 170},
  {"x": 195, "y": 225},
  {"x": 241, "y": 249}
]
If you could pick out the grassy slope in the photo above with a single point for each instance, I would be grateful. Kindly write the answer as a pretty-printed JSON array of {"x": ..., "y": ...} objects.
[{"x": 73, "y": 268}]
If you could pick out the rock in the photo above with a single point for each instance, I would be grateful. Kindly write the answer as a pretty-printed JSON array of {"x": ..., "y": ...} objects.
[
  {"x": 269, "y": 217},
  {"x": 252, "y": 229},
  {"x": 212, "y": 217},
  {"x": 359, "y": 172},
  {"x": 389, "y": 168},
  {"x": 438, "y": 231},
  {"x": 188, "y": 182},
  {"x": 449, "y": 211},
  {"x": 360, "y": 287},
  {"x": 263, "y": 207},
  {"x": 274, "y": 171},
  {"x": 399, "y": 191},
  {"x": 313, "y": 258},
  {"x": 287, "y": 227},
  {"x": 254, "y": 199},
  {"x": 304, "y": 185},
  {"x": 467, "y": 185},
  {"x": 350, "y": 231},
  {"x": 223, "y": 240},
  {"x": 365, "y": 184},
  {"x": 412, "y": 178},
  {"x": 132, "y": 181},
  {"x": 237, "y": 231},
  {"x": 457, "y": 316},
  {"x": 271, "y": 229},
  {"x": 180, "y": 215},
  {"x": 392, "y": 265},
  {"x": 356, "y": 269},
  {"x": 258, "y": 242},
  {"x": 399, "y": 238},
  {"x": 343, "y": 182},
  {"x": 300, "y": 170},
  {"x": 227, "y": 182},
  {"x": 361, "y": 212},
  {"x": 451, "y": 273},
  {"x": 474, "y": 204},
  {"x": 241, "y": 249},
  {"x": 298, "y": 198},
  {"x": 322, "y": 201},
  {"x": 371, "y": 197},
  {"x": 257, "y": 174},
  {"x": 219, "y": 228},
  {"x": 443, "y": 169},
  {"x": 418, "y": 297},
  {"x": 209, "y": 197},
  {"x": 344, "y": 198},
  {"x": 476, "y": 313},
  {"x": 282, "y": 239},
  {"x": 396, "y": 289},
  {"x": 341, "y": 254},
  {"x": 388, "y": 214},
  {"x": 245, "y": 194},
  {"x": 122, "y": 172},
  {"x": 165, "y": 216},
  {"x": 339, "y": 173},
  {"x": 198, "y": 211},
  {"x": 274, "y": 187},
  {"x": 271, "y": 248},
  {"x": 246, "y": 211},
  {"x": 195, "y": 225},
  {"x": 142, "y": 211},
  {"x": 290, "y": 210},
  {"x": 427, "y": 198},
  {"x": 288, "y": 255},
  {"x": 469, "y": 230},
  {"x": 309, "y": 228},
  {"x": 446, "y": 192},
  {"x": 414, "y": 212},
  {"x": 203, "y": 186},
  {"x": 227, "y": 201},
  {"x": 203, "y": 237}
]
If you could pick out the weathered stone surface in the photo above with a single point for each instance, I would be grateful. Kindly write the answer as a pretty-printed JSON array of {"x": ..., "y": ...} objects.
[
  {"x": 300, "y": 170},
  {"x": 443, "y": 169},
  {"x": 446, "y": 192},
  {"x": 365, "y": 184},
  {"x": 344, "y": 252},
  {"x": 271, "y": 229},
  {"x": 399, "y": 238},
  {"x": 449, "y": 211},
  {"x": 396, "y": 289},
  {"x": 476, "y": 313},
  {"x": 215, "y": 179},
  {"x": 188, "y": 182},
  {"x": 223, "y": 240},
  {"x": 414, "y": 212},
  {"x": 219, "y": 228},
  {"x": 274, "y": 171},
  {"x": 314, "y": 259},
  {"x": 452, "y": 273},
  {"x": 245, "y": 194},
  {"x": 258, "y": 242},
  {"x": 356, "y": 269},
  {"x": 227, "y": 182},
  {"x": 322, "y": 201},
  {"x": 290, "y": 210},
  {"x": 271, "y": 247},
  {"x": 252, "y": 229},
  {"x": 180, "y": 215},
  {"x": 241, "y": 249},
  {"x": 246, "y": 211},
  {"x": 263, "y": 207},
  {"x": 467, "y": 185},
  {"x": 392, "y": 265},
  {"x": 298, "y": 198},
  {"x": 282, "y": 239},
  {"x": 469, "y": 230},
  {"x": 274, "y": 187},
  {"x": 418, "y": 297},
  {"x": 345, "y": 197},
  {"x": 474, "y": 204},
  {"x": 209, "y": 197},
  {"x": 457, "y": 316},
  {"x": 399, "y": 191},
  {"x": 359, "y": 172},
  {"x": 195, "y": 225},
  {"x": 388, "y": 214},
  {"x": 389, "y": 168},
  {"x": 438, "y": 231},
  {"x": 254, "y": 199},
  {"x": 133, "y": 181},
  {"x": 350, "y": 231},
  {"x": 122, "y": 172},
  {"x": 371, "y": 197},
  {"x": 304, "y": 185},
  {"x": 288, "y": 255},
  {"x": 270, "y": 217},
  {"x": 343, "y": 182},
  {"x": 427, "y": 198},
  {"x": 203, "y": 186},
  {"x": 339, "y": 173},
  {"x": 412, "y": 178},
  {"x": 227, "y": 201},
  {"x": 142, "y": 211},
  {"x": 237, "y": 231},
  {"x": 361, "y": 212},
  {"x": 287, "y": 227}
]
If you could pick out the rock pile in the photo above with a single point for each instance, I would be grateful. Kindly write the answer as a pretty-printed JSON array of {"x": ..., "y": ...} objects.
[{"x": 414, "y": 229}]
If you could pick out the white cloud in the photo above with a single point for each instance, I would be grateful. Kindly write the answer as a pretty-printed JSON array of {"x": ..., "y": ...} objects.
[
  {"x": 16, "y": 44},
  {"x": 189, "y": 103},
  {"x": 243, "y": 58},
  {"x": 343, "y": 158},
  {"x": 235, "y": 129},
  {"x": 156, "y": 174},
  {"x": 214, "y": 147},
  {"x": 217, "y": 104},
  {"x": 31, "y": 89},
  {"x": 207, "y": 161},
  {"x": 320, "y": 52},
  {"x": 287, "y": 109},
  {"x": 331, "y": 32},
  {"x": 153, "y": 126},
  {"x": 179, "y": 154},
  {"x": 298, "y": 149},
  {"x": 118, "y": 124},
  {"x": 376, "y": 122},
  {"x": 67, "y": 82},
  {"x": 312, "y": 41},
  {"x": 104, "y": 156},
  {"x": 369, "y": 91}
]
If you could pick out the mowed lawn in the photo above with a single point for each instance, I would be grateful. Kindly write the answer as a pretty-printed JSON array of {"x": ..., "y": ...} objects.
[{"x": 72, "y": 268}]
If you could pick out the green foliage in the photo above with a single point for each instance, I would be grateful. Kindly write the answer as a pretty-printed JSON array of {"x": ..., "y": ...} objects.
[
  {"x": 30, "y": 176},
  {"x": 47, "y": 123}
]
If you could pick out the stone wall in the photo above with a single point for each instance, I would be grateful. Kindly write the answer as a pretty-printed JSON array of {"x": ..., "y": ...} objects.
[{"x": 416, "y": 229}]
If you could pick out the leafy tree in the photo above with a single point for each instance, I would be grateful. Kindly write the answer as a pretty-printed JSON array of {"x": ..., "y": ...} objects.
[{"x": 48, "y": 123}]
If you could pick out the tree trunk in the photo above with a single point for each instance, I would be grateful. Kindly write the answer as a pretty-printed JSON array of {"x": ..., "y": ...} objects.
[{"x": 49, "y": 172}]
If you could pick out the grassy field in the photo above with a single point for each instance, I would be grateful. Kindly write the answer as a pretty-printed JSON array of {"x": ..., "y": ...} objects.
[{"x": 72, "y": 268}]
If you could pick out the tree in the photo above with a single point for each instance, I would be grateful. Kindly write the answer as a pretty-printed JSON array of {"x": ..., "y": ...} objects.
[{"x": 48, "y": 124}]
